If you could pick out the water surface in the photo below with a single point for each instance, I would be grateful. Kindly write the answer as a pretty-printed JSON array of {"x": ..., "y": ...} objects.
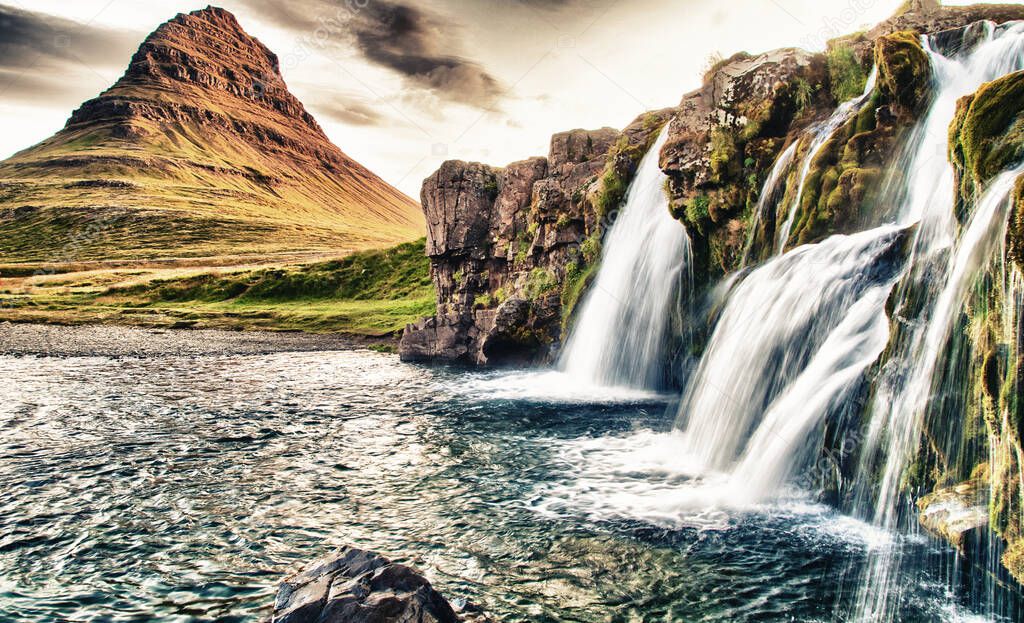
[{"x": 173, "y": 488}]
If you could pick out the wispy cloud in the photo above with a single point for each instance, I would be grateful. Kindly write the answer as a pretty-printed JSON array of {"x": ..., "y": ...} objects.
[
  {"x": 423, "y": 47},
  {"x": 38, "y": 51}
]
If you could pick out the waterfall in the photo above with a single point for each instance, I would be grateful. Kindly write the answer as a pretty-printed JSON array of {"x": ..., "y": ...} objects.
[
  {"x": 774, "y": 345},
  {"x": 807, "y": 324},
  {"x": 901, "y": 404},
  {"x": 836, "y": 368},
  {"x": 769, "y": 195},
  {"x": 621, "y": 334},
  {"x": 941, "y": 270},
  {"x": 818, "y": 135}
]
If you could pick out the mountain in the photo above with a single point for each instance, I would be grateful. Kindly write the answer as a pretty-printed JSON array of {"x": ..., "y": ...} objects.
[{"x": 199, "y": 150}]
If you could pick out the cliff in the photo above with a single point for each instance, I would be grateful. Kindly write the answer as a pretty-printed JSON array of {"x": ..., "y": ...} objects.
[{"x": 511, "y": 249}]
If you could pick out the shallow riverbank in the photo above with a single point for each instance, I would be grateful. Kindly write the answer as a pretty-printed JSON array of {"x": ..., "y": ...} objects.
[{"x": 115, "y": 341}]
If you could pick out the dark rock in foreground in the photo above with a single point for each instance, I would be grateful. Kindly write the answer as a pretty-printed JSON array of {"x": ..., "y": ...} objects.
[{"x": 356, "y": 586}]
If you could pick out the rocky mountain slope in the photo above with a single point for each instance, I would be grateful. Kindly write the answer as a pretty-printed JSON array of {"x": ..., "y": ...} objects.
[{"x": 198, "y": 150}]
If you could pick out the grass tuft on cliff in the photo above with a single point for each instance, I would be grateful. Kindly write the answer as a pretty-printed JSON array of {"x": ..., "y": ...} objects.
[{"x": 847, "y": 77}]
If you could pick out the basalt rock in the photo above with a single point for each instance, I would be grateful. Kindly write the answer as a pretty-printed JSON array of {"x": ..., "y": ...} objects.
[
  {"x": 510, "y": 248},
  {"x": 987, "y": 135},
  {"x": 725, "y": 140},
  {"x": 955, "y": 27},
  {"x": 356, "y": 586},
  {"x": 904, "y": 71}
]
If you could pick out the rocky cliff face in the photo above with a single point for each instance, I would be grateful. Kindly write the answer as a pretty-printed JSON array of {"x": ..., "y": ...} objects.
[
  {"x": 511, "y": 248},
  {"x": 973, "y": 460},
  {"x": 201, "y": 132}
]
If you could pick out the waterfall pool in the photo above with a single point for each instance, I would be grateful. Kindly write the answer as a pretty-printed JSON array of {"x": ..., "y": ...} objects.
[{"x": 174, "y": 488}]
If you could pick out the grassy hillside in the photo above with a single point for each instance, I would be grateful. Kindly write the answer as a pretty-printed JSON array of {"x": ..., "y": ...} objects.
[{"x": 371, "y": 293}]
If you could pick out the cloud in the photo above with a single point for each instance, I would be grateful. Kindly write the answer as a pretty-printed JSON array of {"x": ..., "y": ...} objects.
[
  {"x": 43, "y": 57},
  {"x": 349, "y": 111},
  {"x": 296, "y": 15},
  {"x": 424, "y": 49},
  {"x": 29, "y": 39},
  {"x": 421, "y": 46}
]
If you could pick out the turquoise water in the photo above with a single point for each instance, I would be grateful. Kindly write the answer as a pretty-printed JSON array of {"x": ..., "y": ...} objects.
[{"x": 184, "y": 489}]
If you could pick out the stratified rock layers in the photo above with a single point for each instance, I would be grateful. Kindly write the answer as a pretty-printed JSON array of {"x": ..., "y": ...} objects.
[{"x": 198, "y": 149}]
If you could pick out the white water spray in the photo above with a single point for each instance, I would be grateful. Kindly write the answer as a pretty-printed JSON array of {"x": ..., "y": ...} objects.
[
  {"x": 768, "y": 348},
  {"x": 940, "y": 271},
  {"x": 620, "y": 337}
]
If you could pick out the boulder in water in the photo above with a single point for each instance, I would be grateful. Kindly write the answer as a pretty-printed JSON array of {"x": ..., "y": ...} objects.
[{"x": 356, "y": 586}]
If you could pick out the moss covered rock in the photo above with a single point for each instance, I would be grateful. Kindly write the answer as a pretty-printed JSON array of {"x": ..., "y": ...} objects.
[
  {"x": 1015, "y": 227},
  {"x": 904, "y": 73},
  {"x": 725, "y": 139},
  {"x": 987, "y": 134}
]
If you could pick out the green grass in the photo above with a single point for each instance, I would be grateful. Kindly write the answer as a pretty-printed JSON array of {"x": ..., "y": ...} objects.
[
  {"x": 371, "y": 293},
  {"x": 846, "y": 74},
  {"x": 399, "y": 273}
]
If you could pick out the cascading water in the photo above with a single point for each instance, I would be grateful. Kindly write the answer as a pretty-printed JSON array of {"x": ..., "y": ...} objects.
[
  {"x": 819, "y": 135},
  {"x": 941, "y": 269},
  {"x": 796, "y": 337},
  {"x": 809, "y": 323},
  {"x": 778, "y": 323},
  {"x": 900, "y": 406},
  {"x": 769, "y": 194},
  {"x": 619, "y": 339}
]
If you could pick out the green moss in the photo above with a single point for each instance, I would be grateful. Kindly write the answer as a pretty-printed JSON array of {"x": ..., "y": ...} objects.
[
  {"x": 904, "y": 71},
  {"x": 539, "y": 282},
  {"x": 491, "y": 187},
  {"x": 590, "y": 249},
  {"x": 578, "y": 276},
  {"x": 988, "y": 132},
  {"x": 724, "y": 150},
  {"x": 698, "y": 211},
  {"x": 1015, "y": 227},
  {"x": 484, "y": 301}
]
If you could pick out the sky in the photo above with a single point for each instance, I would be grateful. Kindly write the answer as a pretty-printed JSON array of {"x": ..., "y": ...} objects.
[{"x": 402, "y": 85}]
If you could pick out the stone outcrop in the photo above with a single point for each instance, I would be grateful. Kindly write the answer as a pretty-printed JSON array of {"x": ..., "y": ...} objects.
[
  {"x": 983, "y": 447},
  {"x": 725, "y": 140},
  {"x": 958, "y": 514},
  {"x": 511, "y": 248},
  {"x": 929, "y": 17},
  {"x": 356, "y": 586}
]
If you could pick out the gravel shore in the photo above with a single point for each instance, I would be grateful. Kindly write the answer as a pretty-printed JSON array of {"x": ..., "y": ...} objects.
[{"x": 113, "y": 341}]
